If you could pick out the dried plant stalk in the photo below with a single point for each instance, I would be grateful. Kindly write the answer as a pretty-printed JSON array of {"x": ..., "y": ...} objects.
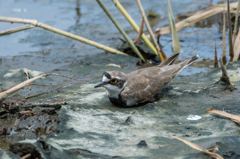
[
  {"x": 225, "y": 77},
  {"x": 67, "y": 34},
  {"x": 7, "y": 32},
  {"x": 140, "y": 32},
  {"x": 224, "y": 55},
  {"x": 236, "y": 121},
  {"x": 237, "y": 47},
  {"x": 150, "y": 30},
  {"x": 236, "y": 22},
  {"x": 215, "y": 59},
  {"x": 134, "y": 48},
  {"x": 26, "y": 156},
  {"x": 27, "y": 82},
  {"x": 175, "y": 40},
  {"x": 200, "y": 15},
  {"x": 19, "y": 86},
  {"x": 235, "y": 118},
  {"x": 196, "y": 147},
  {"x": 231, "y": 53},
  {"x": 134, "y": 25}
]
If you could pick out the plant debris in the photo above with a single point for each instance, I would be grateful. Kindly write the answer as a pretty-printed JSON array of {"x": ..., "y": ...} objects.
[
  {"x": 234, "y": 118},
  {"x": 196, "y": 147}
]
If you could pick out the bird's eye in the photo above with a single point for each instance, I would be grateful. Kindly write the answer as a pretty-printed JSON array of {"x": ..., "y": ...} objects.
[{"x": 113, "y": 80}]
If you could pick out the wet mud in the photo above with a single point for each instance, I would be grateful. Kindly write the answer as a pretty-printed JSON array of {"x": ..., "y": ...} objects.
[
  {"x": 63, "y": 118},
  {"x": 21, "y": 119}
]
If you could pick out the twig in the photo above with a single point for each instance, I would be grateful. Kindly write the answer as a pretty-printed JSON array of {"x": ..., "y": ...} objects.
[
  {"x": 27, "y": 82},
  {"x": 237, "y": 47},
  {"x": 55, "y": 74},
  {"x": 134, "y": 48},
  {"x": 19, "y": 86},
  {"x": 225, "y": 77},
  {"x": 236, "y": 22},
  {"x": 64, "y": 33},
  {"x": 215, "y": 59},
  {"x": 140, "y": 32},
  {"x": 134, "y": 25},
  {"x": 235, "y": 118},
  {"x": 224, "y": 55},
  {"x": 231, "y": 53},
  {"x": 150, "y": 30},
  {"x": 7, "y": 32},
  {"x": 31, "y": 96},
  {"x": 196, "y": 147},
  {"x": 26, "y": 156},
  {"x": 27, "y": 76}
]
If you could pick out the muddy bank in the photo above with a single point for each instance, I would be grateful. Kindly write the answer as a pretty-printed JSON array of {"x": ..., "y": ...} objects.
[
  {"x": 91, "y": 127},
  {"x": 21, "y": 119}
]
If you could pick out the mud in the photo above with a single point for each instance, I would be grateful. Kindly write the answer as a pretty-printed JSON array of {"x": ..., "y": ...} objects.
[
  {"x": 63, "y": 118},
  {"x": 22, "y": 119}
]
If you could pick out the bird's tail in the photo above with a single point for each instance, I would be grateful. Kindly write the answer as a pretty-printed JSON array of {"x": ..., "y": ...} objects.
[
  {"x": 194, "y": 58},
  {"x": 169, "y": 61},
  {"x": 185, "y": 64}
]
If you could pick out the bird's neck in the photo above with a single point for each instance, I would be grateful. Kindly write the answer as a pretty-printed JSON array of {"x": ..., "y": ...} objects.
[{"x": 114, "y": 93}]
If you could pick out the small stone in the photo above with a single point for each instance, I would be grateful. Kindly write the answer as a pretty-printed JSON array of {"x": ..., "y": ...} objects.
[
  {"x": 142, "y": 143},
  {"x": 128, "y": 120}
]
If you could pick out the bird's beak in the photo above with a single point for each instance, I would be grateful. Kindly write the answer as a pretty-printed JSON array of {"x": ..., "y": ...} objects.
[{"x": 99, "y": 85}]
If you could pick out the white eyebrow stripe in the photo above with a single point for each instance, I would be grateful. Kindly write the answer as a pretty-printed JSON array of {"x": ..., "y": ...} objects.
[
  {"x": 118, "y": 78},
  {"x": 105, "y": 79}
]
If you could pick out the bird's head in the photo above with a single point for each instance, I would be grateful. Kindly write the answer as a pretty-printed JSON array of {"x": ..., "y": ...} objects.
[{"x": 113, "y": 82}]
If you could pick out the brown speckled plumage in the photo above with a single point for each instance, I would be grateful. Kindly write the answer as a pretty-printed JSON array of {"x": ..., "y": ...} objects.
[{"x": 143, "y": 84}]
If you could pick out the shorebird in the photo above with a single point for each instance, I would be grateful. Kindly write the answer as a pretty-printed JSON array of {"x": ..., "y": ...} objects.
[{"x": 139, "y": 87}]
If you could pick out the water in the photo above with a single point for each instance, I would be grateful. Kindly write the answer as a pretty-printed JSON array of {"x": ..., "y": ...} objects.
[{"x": 87, "y": 19}]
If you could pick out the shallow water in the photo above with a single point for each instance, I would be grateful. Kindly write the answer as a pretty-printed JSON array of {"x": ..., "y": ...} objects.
[{"x": 87, "y": 19}]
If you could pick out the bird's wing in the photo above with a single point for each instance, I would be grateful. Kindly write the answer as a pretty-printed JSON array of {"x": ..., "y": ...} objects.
[
  {"x": 145, "y": 83},
  {"x": 144, "y": 88}
]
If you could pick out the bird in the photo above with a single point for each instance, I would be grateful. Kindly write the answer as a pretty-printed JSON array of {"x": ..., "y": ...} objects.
[{"x": 140, "y": 87}]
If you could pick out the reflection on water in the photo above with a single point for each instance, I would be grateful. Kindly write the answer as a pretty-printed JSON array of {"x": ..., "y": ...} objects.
[
  {"x": 203, "y": 63},
  {"x": 78, "y": 13}
]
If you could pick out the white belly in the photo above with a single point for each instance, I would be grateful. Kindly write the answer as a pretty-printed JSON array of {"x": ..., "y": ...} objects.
[{"x": 131, "y": 101}]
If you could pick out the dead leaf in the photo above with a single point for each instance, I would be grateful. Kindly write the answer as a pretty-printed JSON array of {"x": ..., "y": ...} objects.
[
  {"x": 27, "y": 112},
  {"x": 196, "y": 147}
]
